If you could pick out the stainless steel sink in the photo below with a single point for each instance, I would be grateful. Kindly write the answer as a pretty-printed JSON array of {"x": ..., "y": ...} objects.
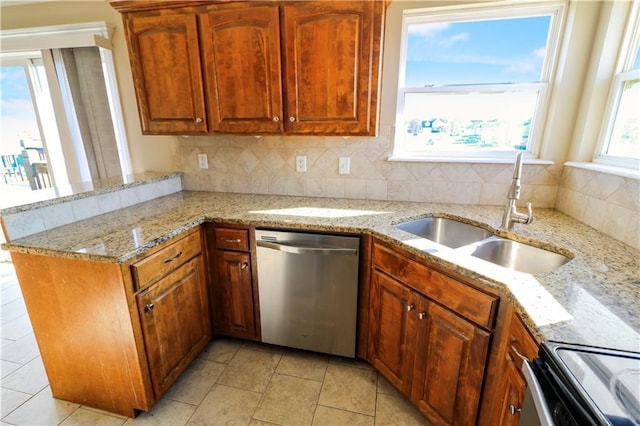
[
  {"x": 448, "y": 232},
  {"x": 518, "y": 256}
]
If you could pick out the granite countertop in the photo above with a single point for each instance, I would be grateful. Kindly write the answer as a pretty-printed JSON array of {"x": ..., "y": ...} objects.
[{"x": 593, "y": 299}]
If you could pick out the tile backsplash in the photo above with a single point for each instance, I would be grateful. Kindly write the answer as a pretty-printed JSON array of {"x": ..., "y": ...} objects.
[
  {"x": 606, "y": 202},
  {"x": 266, "y": 165}
]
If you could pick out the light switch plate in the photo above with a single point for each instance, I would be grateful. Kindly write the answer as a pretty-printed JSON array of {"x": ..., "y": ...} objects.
[
  {"x": 344, "y": 165},
  {"x": 301, "y": 163},
  {"x": 203, "y": 162}
]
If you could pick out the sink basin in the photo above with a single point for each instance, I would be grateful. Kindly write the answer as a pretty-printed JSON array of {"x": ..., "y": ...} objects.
[
  {"x": 518, "y": 256},
  {"x": 447, "y": 232}
]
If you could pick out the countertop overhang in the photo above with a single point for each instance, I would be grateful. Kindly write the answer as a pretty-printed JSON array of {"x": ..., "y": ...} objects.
[{"x": 594, "y": 299}]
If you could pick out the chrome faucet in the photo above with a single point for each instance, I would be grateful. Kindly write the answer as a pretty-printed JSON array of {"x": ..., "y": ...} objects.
[{"x": 511, "y": 215}]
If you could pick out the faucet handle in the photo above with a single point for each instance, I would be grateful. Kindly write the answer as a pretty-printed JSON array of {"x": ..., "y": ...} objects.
[{"x": 529, "y": 214}]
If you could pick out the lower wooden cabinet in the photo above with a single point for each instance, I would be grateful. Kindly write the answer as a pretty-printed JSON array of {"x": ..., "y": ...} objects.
[
  {"x": 114, "y": 336},
  {"x": 518, "y": 346},
  {"x": 176, "y": 323},
  {"x": 234, "y": 287},
  {"x": 433, "y": 355},
  {"x": 392, "y": 330},
  {"x": 449, "y": 365}
]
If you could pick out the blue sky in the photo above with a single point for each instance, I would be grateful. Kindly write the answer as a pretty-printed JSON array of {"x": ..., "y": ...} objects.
[
  {"x": 476, "y": 52},
  {"x": 16, "y": 110}
]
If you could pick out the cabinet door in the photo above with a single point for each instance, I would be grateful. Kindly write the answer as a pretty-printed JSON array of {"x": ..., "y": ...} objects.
[
  {"x": 165, "y": 62},
  {"x": 233, "y": 295},
  {"x": 392, "y": 330},
  {"x": 241, "y": 49},
  {"x": 513, "y": 387},
  {"x": 449, "y": 366},
  {"x": 328, "y": 52},
  {"x": 176, "y": 323}
]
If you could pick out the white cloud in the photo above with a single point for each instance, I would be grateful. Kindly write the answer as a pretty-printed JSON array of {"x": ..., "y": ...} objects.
[
  {"x": 450, "y": 41},
  {"x": 428, "y": 30}
]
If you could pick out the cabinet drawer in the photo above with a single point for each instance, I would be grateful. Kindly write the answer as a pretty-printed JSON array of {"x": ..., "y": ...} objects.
[
  {"x": 232, "y": 239},
  {"x": 165, "y": 260},
  {"x": 468, "y": 302},
  {"x": 520, "y": 340}
]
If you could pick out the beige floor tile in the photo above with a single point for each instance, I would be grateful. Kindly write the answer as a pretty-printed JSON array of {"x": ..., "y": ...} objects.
[
  {"x": 221, "y": 350},
  {"x": 385, "y": 386},
  {"x": 84, "y": 417},
  {"x": 289, "y": 400},
  {"x": 349, "y": 388},
  {"x": 10, "y": 400},
  {"x": 8, "y": 367},
  {"x": 250, "y": 369},
  {"x": 256, "y": 422},
  {"x": 30, "y": 378},
  {"x": 351, "y": 362},
  {"x": 165, "y": 413},
  {"x": 41, "y": 409},
  {"x": 225, "y": 405},
  {"x": 13, "y": 310},
  {"x": 391, "y": 410},
  {"x": 22, "y": 350},
  {"x": 16, "y": 328},
  {"x": 194, "y": 384},
  {"x": 258, "y": 346},
  {"x": 307, "y": 365},
  {"x": 327, "y": 416}
]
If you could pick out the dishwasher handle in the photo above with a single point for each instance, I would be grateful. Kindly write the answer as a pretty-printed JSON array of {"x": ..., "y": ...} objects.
[{"x": 319, "y": 251}]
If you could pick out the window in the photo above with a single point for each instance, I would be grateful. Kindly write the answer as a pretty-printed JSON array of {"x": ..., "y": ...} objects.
[
  {"x": 474, "y": 83},
  {"x": 620, "y": 135}
]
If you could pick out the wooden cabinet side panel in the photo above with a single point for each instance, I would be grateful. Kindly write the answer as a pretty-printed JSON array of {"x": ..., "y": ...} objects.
[
  {"x": 241, "y": 52},
  {"x": 165, "y": 62},
  {"x": 80, "y": 316}
]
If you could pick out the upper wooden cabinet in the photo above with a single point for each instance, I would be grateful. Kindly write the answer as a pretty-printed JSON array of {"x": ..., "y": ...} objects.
[
  {"x": 165, "y": 62},
  {"x": 331, "y": 62},
  {"x": 242, "y": 63},
  {"x": 308, "y": 67}
]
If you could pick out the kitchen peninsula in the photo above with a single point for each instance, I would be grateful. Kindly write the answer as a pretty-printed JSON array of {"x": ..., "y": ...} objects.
[{"x": 590, "y": 300}]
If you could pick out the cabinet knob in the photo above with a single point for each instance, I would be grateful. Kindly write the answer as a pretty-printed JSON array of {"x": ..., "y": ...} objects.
[
  {"x": 422, "y": 315},
  {"x": 149, "y": 307},
  {"x": 513, "y": 410},
  {"x": 276, "y": 119},
  {"x": 245, "y": 265},
  {"x": 292, "y": 119},
  {"x": 198, "y": 120},
  {"x": 410, "y": 308}
]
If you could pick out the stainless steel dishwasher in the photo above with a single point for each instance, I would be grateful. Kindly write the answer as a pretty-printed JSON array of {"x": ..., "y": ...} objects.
[{"x": 308, "y": 286}]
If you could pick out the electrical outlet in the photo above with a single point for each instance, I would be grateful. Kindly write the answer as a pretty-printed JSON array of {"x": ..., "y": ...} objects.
[
  {"x": 203, "y": 163},
  {"x": 344, "y": 165},
  {"x": 301, "y": 163}
]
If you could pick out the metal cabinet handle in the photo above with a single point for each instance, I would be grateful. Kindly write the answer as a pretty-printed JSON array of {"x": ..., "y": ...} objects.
[
  {"x": 422, "y": 315},
  {"x": 149, "y": 307},
  {"x": 276, "y": 119},
  {"x": 245, "y": 265},
  {"x": 171, "y": 259},
  {"x": 410, "y": 308},
  {"x": 198, "y": 120},
  {"x": 513, "y": 348},
  {"x": 237, "y": 240},
  {"x": 513, "y": 410},
  {"x": 292, "y": 119}
]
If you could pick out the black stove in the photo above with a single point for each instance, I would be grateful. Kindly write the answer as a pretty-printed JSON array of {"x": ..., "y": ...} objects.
[{"x": 583, "y": 385}]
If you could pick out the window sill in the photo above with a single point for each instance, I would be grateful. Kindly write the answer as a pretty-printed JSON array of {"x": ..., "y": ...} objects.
[
  {"x": 618, "y": 171},
  {"x": 452, "y": 159}
]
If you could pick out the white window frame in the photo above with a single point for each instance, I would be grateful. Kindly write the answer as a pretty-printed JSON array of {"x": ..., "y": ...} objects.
[
  {"x": 623, "y": 72},
  {"x": 555, "y": 9}
]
